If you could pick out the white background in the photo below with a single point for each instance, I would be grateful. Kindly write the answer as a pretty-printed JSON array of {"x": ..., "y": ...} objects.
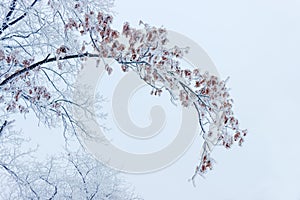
[{"x": 256, "y": 43}]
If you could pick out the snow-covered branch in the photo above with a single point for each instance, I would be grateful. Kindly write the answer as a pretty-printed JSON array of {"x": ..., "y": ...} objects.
[{"x": 45, "y": 44}]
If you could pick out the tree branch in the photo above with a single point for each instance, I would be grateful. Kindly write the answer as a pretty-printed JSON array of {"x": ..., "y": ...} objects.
[
  {"x": 11, "y": 10},
  {"x": 2, "y": 127},
  {"x": 46, "y": 60},
  {"x": 5, "y": 25}
]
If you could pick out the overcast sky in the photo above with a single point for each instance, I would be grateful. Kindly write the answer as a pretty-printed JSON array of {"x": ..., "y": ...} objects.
[{"x": 257, "y": 44}]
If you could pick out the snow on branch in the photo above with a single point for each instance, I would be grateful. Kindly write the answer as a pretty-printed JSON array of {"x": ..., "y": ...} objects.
[{"x": 45, "y": 44}]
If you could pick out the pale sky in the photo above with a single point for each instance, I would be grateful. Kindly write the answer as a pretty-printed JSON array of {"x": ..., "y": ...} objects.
[{"x": 257, "y": 44}]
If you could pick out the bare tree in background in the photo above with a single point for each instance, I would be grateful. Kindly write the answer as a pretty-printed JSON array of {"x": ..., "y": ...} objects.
[
  {"x": 34, "y": 80},
  {"x": 75, "y": 175},
  {"x": 45, "y": 43}
]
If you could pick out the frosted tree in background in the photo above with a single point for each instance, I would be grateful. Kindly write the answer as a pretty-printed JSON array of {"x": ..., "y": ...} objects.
[
  {"x": 33, "y": 80},
  {"x": 44, "y": 44},
  {"x": 75, "y": 175}
]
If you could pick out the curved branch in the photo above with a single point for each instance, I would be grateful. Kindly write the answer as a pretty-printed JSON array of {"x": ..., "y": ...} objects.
[{"x": 46, "y": 60}]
